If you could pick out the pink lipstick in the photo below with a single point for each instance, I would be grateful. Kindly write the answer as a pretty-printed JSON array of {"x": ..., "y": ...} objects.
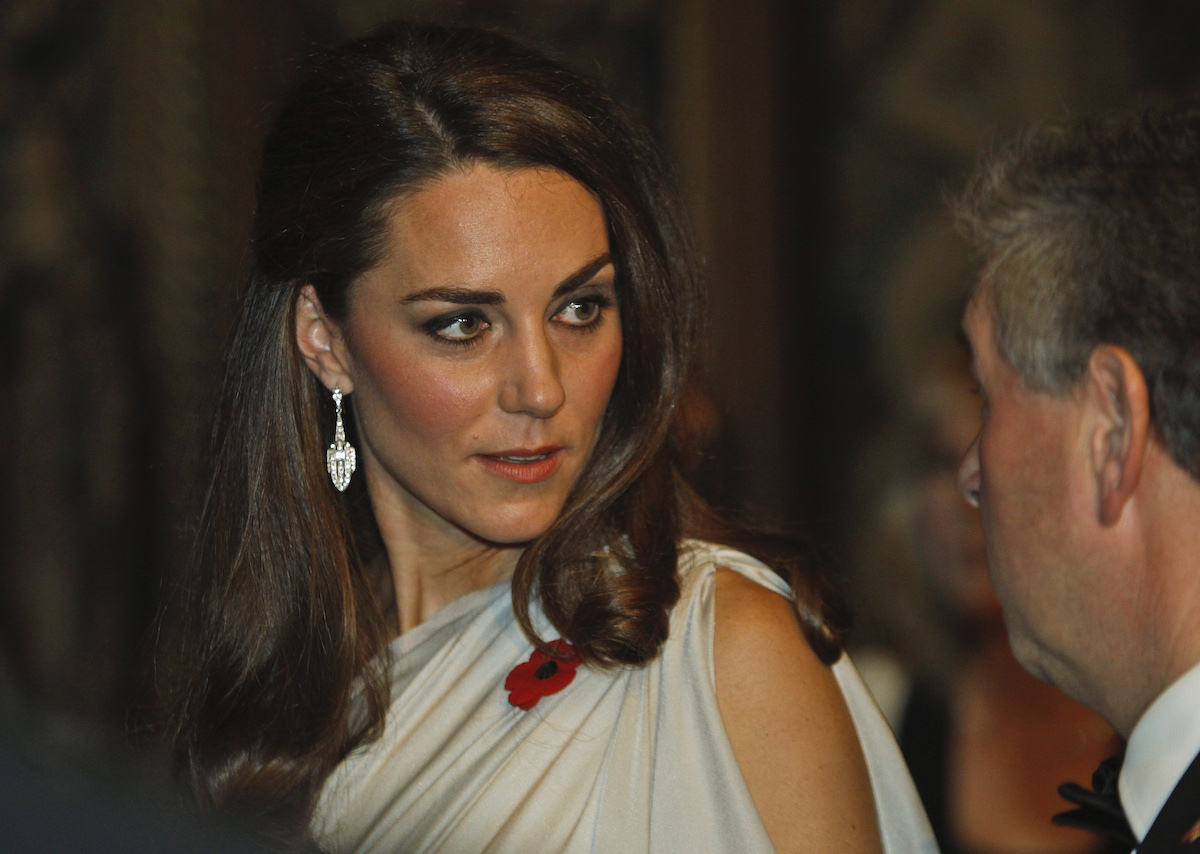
[{"x": 523, "y": 465}]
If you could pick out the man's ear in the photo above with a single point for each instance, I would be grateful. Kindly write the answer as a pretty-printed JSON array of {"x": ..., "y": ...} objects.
[
  {"x": 321, "y": 343},
  {"x": 1116, "y": 396}
]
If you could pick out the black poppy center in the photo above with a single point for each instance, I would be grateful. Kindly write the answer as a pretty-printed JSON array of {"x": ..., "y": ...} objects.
[{"x": 546, "y": 669}]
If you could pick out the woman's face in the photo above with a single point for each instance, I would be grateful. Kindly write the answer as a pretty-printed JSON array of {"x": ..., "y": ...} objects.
[{"x": 482, "y": 351}]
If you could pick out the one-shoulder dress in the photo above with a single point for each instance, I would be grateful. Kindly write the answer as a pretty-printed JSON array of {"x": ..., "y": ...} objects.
[{"x": 624, "y": 760}]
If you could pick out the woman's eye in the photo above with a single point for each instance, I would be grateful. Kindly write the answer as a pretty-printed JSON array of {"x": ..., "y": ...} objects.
[
  {"x": 462, "y": 328},
  {"x": 581, "y": 312}
]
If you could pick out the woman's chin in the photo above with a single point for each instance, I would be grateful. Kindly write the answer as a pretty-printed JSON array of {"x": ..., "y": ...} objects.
[{"x": 511, "y": 527}]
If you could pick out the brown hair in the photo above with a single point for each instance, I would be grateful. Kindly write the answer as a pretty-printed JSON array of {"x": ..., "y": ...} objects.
[
  {"x": 280, "y": 627},
  {"x": 1091, "y": 235}
]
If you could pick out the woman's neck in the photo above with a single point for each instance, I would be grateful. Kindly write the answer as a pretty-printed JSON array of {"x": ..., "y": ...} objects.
[
  {"x": 432, "y": 563},
  {"x": 428, "y": 580}
]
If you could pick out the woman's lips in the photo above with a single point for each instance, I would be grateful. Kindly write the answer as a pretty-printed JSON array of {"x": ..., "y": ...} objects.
[{"x": 523, "y": 465}]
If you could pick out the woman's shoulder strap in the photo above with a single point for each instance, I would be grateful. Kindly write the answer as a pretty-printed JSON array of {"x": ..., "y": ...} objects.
[{"x": 698, "y": 558}]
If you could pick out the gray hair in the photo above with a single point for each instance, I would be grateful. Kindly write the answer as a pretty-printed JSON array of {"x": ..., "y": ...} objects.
[{"x": 1090, "y": 235}]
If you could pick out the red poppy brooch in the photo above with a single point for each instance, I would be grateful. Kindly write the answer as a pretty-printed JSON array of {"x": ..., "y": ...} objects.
[{"x": 541, "y": 675}]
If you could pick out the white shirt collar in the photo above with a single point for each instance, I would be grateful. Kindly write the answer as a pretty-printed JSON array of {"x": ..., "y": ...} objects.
[{"x": 1161, "y": 747}]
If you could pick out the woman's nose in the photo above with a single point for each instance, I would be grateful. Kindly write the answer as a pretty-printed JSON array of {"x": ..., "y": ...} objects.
[
  {"x": 533, "y": 385},
  {"x": 968, "y": 474}
]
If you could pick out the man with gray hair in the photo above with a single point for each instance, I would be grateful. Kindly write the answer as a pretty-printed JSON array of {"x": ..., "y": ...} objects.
[{"x": 1085, "y": 336}]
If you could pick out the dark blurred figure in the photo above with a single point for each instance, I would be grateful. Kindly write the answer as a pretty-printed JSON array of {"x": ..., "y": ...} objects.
[
  {"x": 53, "y": 805},
  {"x": 67, "y": 786}
]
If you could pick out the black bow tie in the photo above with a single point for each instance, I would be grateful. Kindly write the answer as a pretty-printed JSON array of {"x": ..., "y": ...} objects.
[{"x": 1099, "y": 810}]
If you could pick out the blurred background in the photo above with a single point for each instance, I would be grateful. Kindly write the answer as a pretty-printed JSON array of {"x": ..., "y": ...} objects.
[{"x": 815, "y": 141}]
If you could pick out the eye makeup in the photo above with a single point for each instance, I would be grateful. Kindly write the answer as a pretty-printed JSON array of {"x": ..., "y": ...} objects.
[{"x": 471, "y": 323}]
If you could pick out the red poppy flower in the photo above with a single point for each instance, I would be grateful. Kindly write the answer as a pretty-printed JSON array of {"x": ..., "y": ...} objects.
[{"x": 541, "y": 675}]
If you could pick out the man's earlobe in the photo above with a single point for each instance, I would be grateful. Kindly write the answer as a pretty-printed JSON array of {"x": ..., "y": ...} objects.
[
  {"x": 1117, "y": 399},
  {"x": 320, "y": 343}
]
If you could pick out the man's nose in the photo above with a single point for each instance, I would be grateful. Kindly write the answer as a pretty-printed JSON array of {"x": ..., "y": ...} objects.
[
  {"x": 533, "y": 385},
  {"x": 968, "y": 474}
]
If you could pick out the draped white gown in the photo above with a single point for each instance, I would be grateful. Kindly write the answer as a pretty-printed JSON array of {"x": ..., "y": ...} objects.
[{"x": 627, "y": 760}]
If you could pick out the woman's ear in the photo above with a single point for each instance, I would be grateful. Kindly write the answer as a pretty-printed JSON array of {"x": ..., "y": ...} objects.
[{"x": 321, "y": 343}]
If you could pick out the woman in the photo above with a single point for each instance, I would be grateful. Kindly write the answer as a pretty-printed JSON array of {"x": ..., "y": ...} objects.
[{"x": 498, "y": 636}]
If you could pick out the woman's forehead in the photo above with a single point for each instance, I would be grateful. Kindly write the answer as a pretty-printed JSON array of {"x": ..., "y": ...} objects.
[{"x": 486, "y": 225}]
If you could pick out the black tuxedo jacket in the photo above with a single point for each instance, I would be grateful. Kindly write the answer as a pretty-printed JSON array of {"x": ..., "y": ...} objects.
[{"x": 1176, "y": 830}]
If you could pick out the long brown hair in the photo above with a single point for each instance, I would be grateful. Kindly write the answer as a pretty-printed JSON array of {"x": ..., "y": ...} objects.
[{"x": 279, "y": 626}]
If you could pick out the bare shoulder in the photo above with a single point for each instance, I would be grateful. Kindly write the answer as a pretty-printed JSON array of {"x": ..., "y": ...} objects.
[
  {"x": 788, "y": 724},
  {"x": 757, "y": 632},
  {"x": 763, "y": 611}
]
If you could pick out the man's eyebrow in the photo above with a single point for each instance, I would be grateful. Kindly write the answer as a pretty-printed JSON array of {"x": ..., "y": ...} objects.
[
  {"x": 461, "y": 295},
  {"x": 964, "y": 340}
]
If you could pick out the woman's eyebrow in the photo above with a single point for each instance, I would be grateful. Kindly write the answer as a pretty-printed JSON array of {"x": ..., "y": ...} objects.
[
  {"x": 459, "y": 295},
  {"x": 583, "y": 274}
]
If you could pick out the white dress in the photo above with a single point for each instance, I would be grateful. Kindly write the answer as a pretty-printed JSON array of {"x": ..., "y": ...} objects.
[{"x": 626, "y": 760}]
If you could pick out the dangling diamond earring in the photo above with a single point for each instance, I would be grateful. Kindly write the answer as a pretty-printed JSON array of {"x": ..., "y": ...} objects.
[{"x": 341, "y": 458}]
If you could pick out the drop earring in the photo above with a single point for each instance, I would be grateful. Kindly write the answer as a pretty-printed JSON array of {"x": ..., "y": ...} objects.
[{"x": 341, "y": 459}]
